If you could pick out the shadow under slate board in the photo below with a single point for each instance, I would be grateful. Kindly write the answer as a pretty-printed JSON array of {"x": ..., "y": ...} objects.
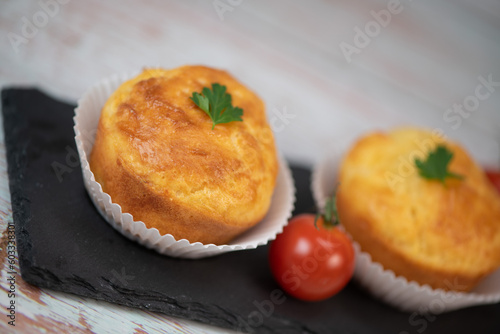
[{"x": 65, "y": 245}]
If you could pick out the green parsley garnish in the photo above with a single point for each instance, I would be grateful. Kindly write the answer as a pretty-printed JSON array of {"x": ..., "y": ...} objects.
[
  {"x": 436, "y": 165},
  {"x": 330, "y": 213},
  {"x": 217, "y": 104}
]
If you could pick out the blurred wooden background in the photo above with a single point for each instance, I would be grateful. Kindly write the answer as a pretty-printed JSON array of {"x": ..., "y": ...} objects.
[{"x": 327, "y": 70}]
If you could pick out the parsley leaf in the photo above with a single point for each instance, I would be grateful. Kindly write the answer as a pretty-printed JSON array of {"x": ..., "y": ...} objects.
[
  {"x": 436, "y": 165},
  {"x": 217, "y": 104}
]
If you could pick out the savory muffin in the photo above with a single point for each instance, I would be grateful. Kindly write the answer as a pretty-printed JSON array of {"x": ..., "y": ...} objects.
[
  {"x": 446, "y": 234},
  {"x": 158, "y": 157}
]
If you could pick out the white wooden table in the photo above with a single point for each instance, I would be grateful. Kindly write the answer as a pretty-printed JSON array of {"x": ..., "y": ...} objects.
[{"x": 328, "y": 71}]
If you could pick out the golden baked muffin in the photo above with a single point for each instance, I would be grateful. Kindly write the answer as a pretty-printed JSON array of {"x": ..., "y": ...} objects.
[
  {"x": 445, "y": 235},
  {"x": 157, "y": 156}
]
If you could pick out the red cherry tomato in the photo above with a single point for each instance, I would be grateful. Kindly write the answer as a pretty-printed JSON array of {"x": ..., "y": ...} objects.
[
  {"x": 494, "y": 177},
  {"x": 311, "y": 263}
]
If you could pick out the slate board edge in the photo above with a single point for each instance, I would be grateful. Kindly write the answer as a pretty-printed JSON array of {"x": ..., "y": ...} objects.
[
  {"x": 16, "y": 166},
  {"x": 191, "y": 311}
]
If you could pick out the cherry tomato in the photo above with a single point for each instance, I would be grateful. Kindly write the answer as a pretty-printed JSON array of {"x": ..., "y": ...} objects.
[
  {"x": 311, "y": 263},
  {"x": 494, "y": 177}
]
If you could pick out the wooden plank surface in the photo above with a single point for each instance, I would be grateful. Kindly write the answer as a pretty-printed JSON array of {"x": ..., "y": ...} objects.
[{"x": 428, "y": 57}]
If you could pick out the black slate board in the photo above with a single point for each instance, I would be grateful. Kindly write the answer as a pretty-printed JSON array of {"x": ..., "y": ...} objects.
[{"x": 64, "y": 244}]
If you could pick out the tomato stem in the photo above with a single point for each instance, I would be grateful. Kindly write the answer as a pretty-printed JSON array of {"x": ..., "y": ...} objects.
[{"x": 330, "y": 213}]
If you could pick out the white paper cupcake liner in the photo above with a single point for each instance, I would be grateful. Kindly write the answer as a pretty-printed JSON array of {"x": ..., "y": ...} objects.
[
  {"x": 86, "y": 119},
  {"x": 384, "y": 284}
]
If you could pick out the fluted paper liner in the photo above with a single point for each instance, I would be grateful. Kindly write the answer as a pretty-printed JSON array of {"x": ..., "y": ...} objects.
[
  {"x": 395, "y": 290},
  {"x": 86, "y": 119}
]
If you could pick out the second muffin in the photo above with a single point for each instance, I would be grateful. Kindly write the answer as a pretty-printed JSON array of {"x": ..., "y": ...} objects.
[{"x": 444, "y": 235}]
